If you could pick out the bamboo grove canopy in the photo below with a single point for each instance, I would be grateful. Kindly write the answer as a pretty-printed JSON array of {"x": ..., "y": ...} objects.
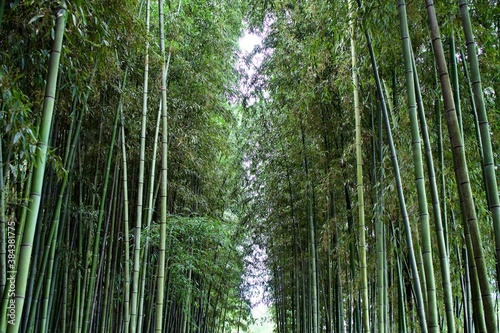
[{"x": 155, "y": 178}]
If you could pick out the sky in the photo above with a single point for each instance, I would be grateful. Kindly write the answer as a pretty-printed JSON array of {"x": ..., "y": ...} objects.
[
  {"x": 260, "y": 310},
  {"x": 248, "y": 41}
]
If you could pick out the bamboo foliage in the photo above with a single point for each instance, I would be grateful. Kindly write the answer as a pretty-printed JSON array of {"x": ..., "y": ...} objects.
[{"x": 268, "y": 187}]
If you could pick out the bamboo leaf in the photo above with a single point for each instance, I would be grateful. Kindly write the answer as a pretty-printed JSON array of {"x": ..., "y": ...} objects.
[
  {"x": 17, "y": 136},
  {"x": 36, "y": 17}
]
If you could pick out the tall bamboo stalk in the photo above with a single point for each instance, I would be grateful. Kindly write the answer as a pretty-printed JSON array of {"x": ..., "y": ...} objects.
[
  {"x": 24, "y": 258},
  {"x": 140, "y": 188},
  {"x": 164, "y": 170},
  {"x": 474, "y": 110},
  {"x": 461, "y": 170},
  {"x": 359, "y": 178},
  {"x": 484, "y": 128},
  {"x": 443, "y": 253},
  {"x": 149, "y": 218},
  {"x": 106, "y": 308},
  {"x": 163, "y": 197},
  {"x": 57, "y": 219},
  {"x": 401, "y": 199},
  {"x": 379, "y": 231},
  {"x": 432, "y": 315},
  {"x": 312, "y": 277},
  {"x": 126, "y": 280},
  {"x": 95, "y": 251},
  {"x": 454, "y": 82}
]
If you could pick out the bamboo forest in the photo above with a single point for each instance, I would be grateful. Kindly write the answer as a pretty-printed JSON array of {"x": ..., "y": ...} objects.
[{"x": 231, "y": 166}]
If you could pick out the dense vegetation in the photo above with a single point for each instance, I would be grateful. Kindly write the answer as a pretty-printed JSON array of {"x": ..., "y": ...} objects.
[
  {"x": 147, "y": 179},
  {"x": 95, "y": 241}
]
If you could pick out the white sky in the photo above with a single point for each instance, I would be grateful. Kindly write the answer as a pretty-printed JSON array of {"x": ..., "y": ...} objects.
[
  {"x": 259, "y": 309},
  {"x": 248, "y": 42}
]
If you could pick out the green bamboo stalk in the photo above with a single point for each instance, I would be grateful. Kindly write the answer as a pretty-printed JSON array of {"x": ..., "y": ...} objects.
[
  {"x": 24, "y": 258},
  {"x": 420, "y": 266},
  {"x": 186, "y": 306},
  {"x": 76, "y": 322},
  {"x": 39, "y": 241},
  {"x": 45, "y": 304},
  {"x": 24, "y": 213},
  {"x": 149, "y": 218},
  {"x": 52, "y": 293},
  {"x": 401, "y": 296},
  {"x": 85, "y": 252},
  {"x": 109, "y": 307},
  {"x": 461, "y": 170},
  {"x": 49, "y": 253},
  {"x": 402, "y": 204},
  {"x": 437, "y": 111},
  {"x": 432, "y": 315},
  {"x": 126, "y": 287},
  {"x": 68, "y": 158},
  {"x": 477, "y": 305},
  {"x": 340, "y": 301},
  {"x": 476, "y": 125},
  {"x": 295, "y": 249},
  {"x": 380, "y": 209},
  {"x": 140, "y": 189},
  {"x": 65, "y": 296},
  {"x": 484, "y": 128},
  {"x": 454, "y": 82},
  {"x": 464, "y": 306},
  {"x": 55, "y": 295},
  {"x": 359, "y": 179},
  {"x": 379, "y": 236},
  {"x": 474, "y": 110},
  {"x": 468, "y": 298},
  {"x": 352, "y": 257},
  {"x": 164, "y": 174},
  {"x": 304, "y": 318},
  {"x": 106, "y": 308},
  {"x": 32, "y": 306},
  {"x": 443, "y": 253},
  {"x": 95, "y": 251},
  {"x": 313, "y": 286},
  {"x": 313, "y": 272}
]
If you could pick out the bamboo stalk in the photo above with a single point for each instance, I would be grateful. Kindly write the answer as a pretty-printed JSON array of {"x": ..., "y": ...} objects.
[
  {"x": 461, "y": 170},
  {"x": 359, "y": 179},
  {"x": 489, "y": 172},
  {"x": 24, "y": 257}
]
